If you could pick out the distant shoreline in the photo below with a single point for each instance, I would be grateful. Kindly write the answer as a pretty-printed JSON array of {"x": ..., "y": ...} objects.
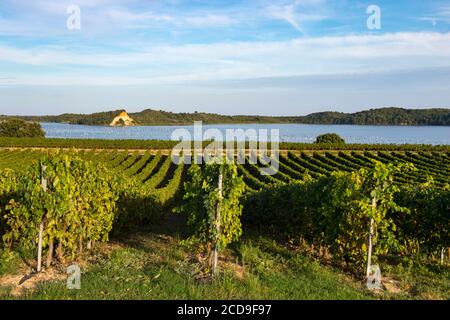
[
  {"x": 245, "y": 123},
  {"x": 381, "y": 116}
]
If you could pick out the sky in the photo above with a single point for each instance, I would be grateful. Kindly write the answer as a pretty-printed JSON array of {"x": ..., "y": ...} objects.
[{"x": 264, "y": 57}]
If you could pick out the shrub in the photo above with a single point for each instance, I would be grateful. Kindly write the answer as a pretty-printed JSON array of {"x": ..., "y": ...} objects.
[
  {"x": 20, "y": 129},
  {"x": 330, "y": 138}
]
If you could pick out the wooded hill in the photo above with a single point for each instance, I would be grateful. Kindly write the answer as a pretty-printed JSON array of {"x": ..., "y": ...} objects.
[{"x": 382, "y": 116}]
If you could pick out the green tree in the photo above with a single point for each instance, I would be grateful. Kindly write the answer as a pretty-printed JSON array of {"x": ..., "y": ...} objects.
[
  {"x": 330, "y": 138},
  {"x": 20, "y": 129}
]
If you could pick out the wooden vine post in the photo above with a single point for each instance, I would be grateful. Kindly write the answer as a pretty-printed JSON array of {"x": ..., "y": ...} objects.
[
  {"x": 217, "y": 222},
  {"x": 41, "y": 225},
  {"x": 369, "y": 247}
]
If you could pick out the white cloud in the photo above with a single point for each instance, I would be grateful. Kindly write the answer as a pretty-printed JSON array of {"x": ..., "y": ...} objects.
[
  {"x": 129, "y": 19},
  {"x": 444, "y": 11},
  {"x": 106, "y": 17},
  {"x": 286, "y": 13},
  {"x": 132, "y": 20},
  {"x": 442, "y": 14},
  {"x": 296, "y": 14},
  {"x": 433, "y": 21},
  {"x": 210, "y": 20},
  {"x": 237, "y": 60}
]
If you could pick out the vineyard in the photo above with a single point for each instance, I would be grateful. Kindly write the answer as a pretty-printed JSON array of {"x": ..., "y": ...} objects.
[
  {"x": 321, "y": 198},
  {"x": 167, "y": 145},
  {"x": 156, "y": 171}
]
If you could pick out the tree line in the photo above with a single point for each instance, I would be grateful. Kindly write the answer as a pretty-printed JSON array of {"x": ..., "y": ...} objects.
[{"x": 381, "y": 116}]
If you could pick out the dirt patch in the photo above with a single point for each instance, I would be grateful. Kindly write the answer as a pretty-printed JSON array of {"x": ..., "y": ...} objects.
[
  {"x": 432, "y": 296},
  {"x": 28, "y": 280},
  {"x": 391, "y": 286},
  {"x": 226, "y": 262},
  {"x": 237, "y": 269}
]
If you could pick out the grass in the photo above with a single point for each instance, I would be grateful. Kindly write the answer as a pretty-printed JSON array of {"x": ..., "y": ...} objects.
[
  {"x": 9, "y": 262},
  {"x": 153, "y": 265},
  {"x": 419, "y": 280},
  {"x": 158, "y": 268}
]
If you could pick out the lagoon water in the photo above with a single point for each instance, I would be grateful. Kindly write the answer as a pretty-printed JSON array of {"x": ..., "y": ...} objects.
[{"x": 436, "y": 135}]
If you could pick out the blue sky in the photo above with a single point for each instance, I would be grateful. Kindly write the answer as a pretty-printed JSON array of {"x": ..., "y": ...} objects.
[{"x": 231, "y": 57}]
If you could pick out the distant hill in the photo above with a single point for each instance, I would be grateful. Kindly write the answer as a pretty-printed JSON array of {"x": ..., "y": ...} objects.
[{"x": 382, "y": 116}]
